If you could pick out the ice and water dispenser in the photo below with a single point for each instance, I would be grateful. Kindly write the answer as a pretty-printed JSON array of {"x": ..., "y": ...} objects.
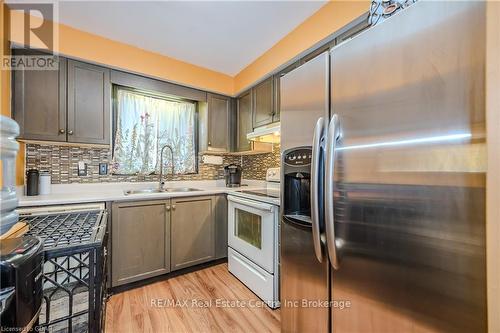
[{"x": 296, "y": 187}]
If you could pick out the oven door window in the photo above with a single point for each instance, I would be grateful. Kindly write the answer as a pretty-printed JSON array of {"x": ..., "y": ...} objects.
[{"x": 248, "y": 228}]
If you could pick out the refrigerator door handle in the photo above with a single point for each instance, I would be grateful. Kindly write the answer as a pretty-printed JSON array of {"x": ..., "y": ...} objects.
[
  {"x": 331, "y": 143},
  {"x": 315, "y": 188}
]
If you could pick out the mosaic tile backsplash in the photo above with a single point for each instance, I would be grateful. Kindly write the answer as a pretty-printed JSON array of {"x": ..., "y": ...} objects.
[
  {"x": 255, "y": 166},
  {"x": 62, "y": 162}
]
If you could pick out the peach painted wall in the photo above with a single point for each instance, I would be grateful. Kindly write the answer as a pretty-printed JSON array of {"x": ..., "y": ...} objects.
[
  {"x": 5, "y": 91},
  {"x": 81, "y": 45},
  {"x": 86, "y": 46},
  {"x": 328, "y": 19}
]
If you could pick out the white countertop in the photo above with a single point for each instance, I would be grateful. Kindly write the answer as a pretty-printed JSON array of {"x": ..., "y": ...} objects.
[{"x": 100, "y": 192}]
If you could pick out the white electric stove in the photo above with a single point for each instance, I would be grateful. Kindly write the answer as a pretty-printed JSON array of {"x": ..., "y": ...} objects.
[{"x": 253, "y": 233}]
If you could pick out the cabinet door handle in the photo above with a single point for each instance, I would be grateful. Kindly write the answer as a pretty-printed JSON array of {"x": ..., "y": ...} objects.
[
  {"x": 209, "y": 143},
  {"x": 70, "y": 132},
  {"x": 168, "y": 208},
  {"x": 173, "y": 207},
  {"x": 62, "y": 131}
]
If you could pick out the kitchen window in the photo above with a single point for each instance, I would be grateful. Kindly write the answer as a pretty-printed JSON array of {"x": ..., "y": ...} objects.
[{"x": 144, "y": 123}]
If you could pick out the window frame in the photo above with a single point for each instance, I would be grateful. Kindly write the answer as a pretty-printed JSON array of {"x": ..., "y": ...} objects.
[{"x": 153, "y": 94}]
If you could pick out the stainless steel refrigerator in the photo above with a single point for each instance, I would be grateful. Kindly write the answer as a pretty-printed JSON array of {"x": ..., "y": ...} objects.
[{"x": 393, "y": 239}]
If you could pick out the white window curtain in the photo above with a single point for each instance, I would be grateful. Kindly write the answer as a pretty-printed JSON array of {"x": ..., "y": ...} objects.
[{"x": 144, "y": 125}]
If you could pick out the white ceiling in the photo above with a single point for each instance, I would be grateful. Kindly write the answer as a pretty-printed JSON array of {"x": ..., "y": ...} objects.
[{"x": 224, "y": 36}]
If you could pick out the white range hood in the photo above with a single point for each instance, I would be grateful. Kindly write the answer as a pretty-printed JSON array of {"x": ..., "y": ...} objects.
[{"x": 269, "y": 133}]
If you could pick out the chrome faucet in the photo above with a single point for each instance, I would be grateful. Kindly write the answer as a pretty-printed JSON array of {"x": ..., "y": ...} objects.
[{"x": 162, "y": 183}]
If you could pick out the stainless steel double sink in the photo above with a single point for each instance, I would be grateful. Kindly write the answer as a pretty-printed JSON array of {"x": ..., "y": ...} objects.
[{"x": 157, "y": 190}]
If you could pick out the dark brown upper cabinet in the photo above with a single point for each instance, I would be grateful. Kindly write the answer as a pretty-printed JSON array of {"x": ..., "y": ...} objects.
[
  {"x": 39, "y": 102},
  {"x": 89, "y": 103},
  {"x": 71, "y": 104},
  {"x": 263, "y": 103},
  {"x": 257, "y": 107},
  {"x": 276, "y": 101},
  {"x": 244, "y": 109},
  {"x": 219, "y": 118}
]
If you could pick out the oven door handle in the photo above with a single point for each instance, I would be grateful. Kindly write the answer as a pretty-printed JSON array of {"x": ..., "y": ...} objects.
[{"x": 251, "y": 203}]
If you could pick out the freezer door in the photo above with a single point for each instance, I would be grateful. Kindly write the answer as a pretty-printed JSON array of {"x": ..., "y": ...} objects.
[
  {"x": 304, "y": 98},
  {"x": 304, "y": 282},
  {"x": 409, "y": 178}
]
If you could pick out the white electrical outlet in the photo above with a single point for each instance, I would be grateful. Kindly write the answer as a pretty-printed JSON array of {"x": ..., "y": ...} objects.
[
  {"x": 82, "y": 168},
  {"x": 212, "y": 159}
]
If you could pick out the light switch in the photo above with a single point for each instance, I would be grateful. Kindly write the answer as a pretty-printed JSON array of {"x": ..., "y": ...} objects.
[{"x": 103, "y": 168}]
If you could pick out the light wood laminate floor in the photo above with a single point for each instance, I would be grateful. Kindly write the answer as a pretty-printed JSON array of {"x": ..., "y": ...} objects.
[{"x": 200, "y": 301}]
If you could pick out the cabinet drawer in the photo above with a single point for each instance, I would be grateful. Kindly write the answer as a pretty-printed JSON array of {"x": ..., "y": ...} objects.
[{"x": 257, "y": 279}]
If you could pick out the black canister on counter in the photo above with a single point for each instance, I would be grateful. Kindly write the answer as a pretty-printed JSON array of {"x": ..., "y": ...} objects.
[{"x": 32, "y": 176}]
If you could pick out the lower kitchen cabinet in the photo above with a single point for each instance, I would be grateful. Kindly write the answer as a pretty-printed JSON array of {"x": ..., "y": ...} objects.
[
  {"x": 193, "y": 231},
  {"x": 140, "y": 233},
  {"x": 220, "y": 227},
  {"x": 150, "y": 238}
]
